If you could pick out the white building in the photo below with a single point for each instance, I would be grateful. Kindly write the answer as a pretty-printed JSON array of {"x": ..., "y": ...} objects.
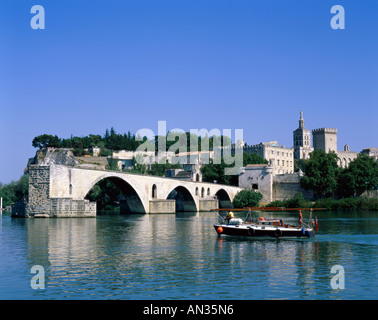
[{"x": 280, "y": 158}]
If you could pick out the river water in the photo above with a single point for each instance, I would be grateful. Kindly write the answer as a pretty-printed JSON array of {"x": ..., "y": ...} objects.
[{"x": 165, "y": 256}]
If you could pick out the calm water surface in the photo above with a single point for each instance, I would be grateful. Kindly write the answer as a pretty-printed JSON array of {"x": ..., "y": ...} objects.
[{"x": 179, "y": 256}]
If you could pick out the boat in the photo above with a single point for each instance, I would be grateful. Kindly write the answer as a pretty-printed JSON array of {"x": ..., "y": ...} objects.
[{"x": 258, "y": 226}]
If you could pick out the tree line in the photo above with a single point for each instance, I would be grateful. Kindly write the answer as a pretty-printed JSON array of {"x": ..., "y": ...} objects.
[
  {"x": 113, "y": 141},
  {"x": 323, "y": 175},
  {"x": 15, "y": 190}
]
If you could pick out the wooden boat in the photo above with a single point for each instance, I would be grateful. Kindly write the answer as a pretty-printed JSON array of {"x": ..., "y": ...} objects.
[{"x": 254, "y": 226}]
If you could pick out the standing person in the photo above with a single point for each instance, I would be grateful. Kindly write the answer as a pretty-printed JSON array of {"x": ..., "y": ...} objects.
[{"x": 300, "y": 219}]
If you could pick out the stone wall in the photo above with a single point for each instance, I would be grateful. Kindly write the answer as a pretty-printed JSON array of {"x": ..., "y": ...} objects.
[
  {"x": 39, "y": 190},
  {"x": 325, "y": 139},
  {"x": 272, "y": 187},
  {"x": 208, "y": 204},
  {"x": 41, "y": 205},
  {"x": 258, "y": 177},
  {"x": 346, "y": 157},
  {"x": 286, "y": 186},
  {"x": 162, "y": 206},
  {"x": 68, "y": 208},
  {"x": 371, "y": 194}
]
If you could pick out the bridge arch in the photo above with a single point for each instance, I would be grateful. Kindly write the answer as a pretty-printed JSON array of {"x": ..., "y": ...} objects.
[
  {"x": 130, "y": 200},
  {"x": 224, "y": 199},
  {"x": 184, "y": 199}
]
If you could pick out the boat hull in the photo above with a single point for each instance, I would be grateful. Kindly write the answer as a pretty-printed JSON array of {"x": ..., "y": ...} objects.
[{"x": 259, "y": 232}]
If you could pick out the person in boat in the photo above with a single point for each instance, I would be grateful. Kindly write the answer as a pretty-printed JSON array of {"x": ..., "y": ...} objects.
[
  {"x": 300, "y": 219},
  {"x": 229, "y": 217}
]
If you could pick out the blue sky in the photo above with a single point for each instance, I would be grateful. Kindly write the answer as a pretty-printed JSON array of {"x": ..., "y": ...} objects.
[{"x": 239, "y": 64}]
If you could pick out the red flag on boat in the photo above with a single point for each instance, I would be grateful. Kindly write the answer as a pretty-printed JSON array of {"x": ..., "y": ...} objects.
[{"x": 316, "y": 224}]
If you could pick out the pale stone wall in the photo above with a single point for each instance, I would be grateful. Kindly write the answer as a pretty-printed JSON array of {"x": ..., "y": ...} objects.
[
  {"x": 208, "y": 204},
  {"x": 346, "y": 157},
  {"x": 272, "y": 187},
  {"x": 162, "y": 206},
  {"x": 259, "y": 178},
  {"x": 281, "y": 158},
  {"x": 325, "y": 139},
  {"x": 287, "y": 186},
  {"x": 68, "y": 208},
  {"x": 371, "y": 194},
  {"x": 371, "y": 152}
]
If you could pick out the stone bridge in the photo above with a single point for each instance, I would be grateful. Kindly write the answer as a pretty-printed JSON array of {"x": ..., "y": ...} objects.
[{"x": 60, "y": 191}]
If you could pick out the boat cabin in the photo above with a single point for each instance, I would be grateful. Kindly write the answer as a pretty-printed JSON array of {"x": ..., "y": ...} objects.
[{"x": 270, "y": 222}]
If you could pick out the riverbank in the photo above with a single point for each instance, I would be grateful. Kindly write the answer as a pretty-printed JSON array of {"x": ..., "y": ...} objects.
[{"x": 346, "y": 204}]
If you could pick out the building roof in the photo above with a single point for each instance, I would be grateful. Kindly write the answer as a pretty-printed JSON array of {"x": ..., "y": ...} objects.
[
  {"x": 183, "y": 174},
  {"x": 257, "y": 165}
]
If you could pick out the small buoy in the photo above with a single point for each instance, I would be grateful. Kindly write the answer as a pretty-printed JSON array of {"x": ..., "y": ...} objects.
[
  {"x": 261, "y": 219},
  {"x": 220, "y": 230}
]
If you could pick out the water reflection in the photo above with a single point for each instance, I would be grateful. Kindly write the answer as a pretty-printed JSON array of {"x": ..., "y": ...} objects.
[{"x": 180, "y": 256}]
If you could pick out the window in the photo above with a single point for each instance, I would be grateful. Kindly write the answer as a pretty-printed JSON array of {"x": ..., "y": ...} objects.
[{"x": 154, "y": 191}]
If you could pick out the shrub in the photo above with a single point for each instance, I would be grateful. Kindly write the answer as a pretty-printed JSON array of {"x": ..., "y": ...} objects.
[
  {"x": 296, "y": 202},
  {"x": 247, "y": 198}
]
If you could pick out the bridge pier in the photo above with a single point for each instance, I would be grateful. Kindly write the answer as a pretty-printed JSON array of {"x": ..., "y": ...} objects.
[
  {"x": 208, "y": 204},
  {"x": 162, "y": 206}
]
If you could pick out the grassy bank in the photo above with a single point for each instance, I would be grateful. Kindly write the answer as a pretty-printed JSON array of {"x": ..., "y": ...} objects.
[{"x": 347, "y": 204}]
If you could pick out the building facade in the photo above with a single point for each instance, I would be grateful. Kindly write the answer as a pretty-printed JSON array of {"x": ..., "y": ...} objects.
[
  {"x": 260, "y": 178},
  {"x": 325, "y": 139},
  {"x": 280, "y": 158},
  {"x": 371, "y": 152}
]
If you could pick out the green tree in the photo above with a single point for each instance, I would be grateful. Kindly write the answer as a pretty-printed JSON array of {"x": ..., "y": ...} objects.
[
  {"x": 106, "y": 194},
  {"x": 361, "y": 175},
  {"x": 212, "y": 171},
  {"x": 157, "y": 169},
  {"x": 253, "y": 158},
  {"x": 247, "y": 198},
  {"x": 46, "y": 140},
  {"x": 299, "y": 164},
  {"x": 320, "y": 173},
  {"x": 15, "y": 190},
  {"x": 112, "y": 164},
  {"x": 138, "y": 166}
]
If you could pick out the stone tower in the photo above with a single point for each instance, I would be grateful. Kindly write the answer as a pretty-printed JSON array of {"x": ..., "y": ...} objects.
[
  {"x": 325, "y": 139},
  {"x": 302, "y": 140}
]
